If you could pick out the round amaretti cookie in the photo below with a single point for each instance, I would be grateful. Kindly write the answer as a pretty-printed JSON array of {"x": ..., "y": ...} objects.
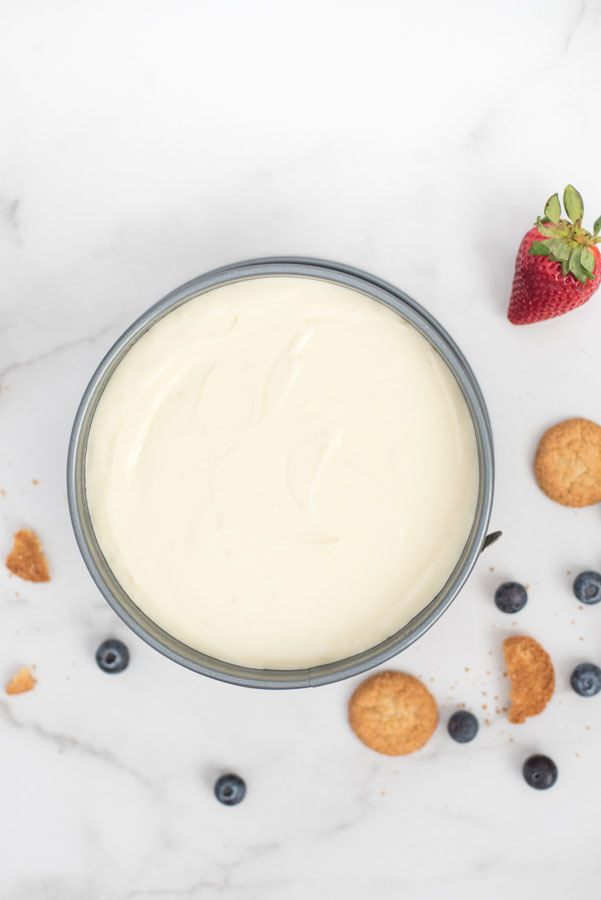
[
  {"x": 567, "y": 464},
  {"x": 393, "y": 713}
]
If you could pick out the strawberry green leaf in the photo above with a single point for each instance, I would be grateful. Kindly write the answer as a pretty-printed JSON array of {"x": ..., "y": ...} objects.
[
  {"x": 564, "y": 267},
  {"x": 597, "y": 226},
  {"x": 573, "y": 203},
  {"x": 559, "y": 249},
  {"x": 575, "y": 266},
  {"x": 546, "y": 230},
  {"x": 587, "y": 261},
  {"x": 553, "y": 209},
  {"x": 539, "y": 248}
]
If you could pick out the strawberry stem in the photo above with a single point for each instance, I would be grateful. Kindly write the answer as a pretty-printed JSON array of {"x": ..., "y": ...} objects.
[{"x": 567, "y": 242}]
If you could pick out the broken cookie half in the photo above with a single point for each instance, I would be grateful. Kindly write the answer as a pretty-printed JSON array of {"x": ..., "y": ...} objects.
[{"x": 532, "y": 676}]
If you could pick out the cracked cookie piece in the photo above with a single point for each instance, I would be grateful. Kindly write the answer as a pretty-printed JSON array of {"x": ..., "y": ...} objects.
[
  {"x": 27, "y": 559},
  {"x": 22, "y": 682},
  {"x": 567, "y": 464},
  {"x": 393, "y": 713},
  {"x": 532, "y": 677}
]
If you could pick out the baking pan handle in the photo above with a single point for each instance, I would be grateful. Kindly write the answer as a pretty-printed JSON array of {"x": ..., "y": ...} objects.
[{"x": 491, "y": 539}]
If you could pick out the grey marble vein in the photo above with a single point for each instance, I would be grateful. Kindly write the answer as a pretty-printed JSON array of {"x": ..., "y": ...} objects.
[
  {"x": 224, "y": 883},
  {"x": 575, "y": 24},
  {"x": 218, "y": 887},
  {"x": 364, "y": 805},
  {"x": 56, "y": 888},
  {"x": 61, "y": 348},
  {"x": 10, "y": 209},
  {"x": 66, "y": 742}
]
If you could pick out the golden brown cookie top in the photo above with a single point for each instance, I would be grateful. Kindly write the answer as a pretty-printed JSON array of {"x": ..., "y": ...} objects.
[
  {"x": 393, "y": 713},
  {"x": 532, "y": 677},
  {"x": 567, "y": 464},
  {"x": 22, "y": 682},
  {"x": 27, "y": 559}
]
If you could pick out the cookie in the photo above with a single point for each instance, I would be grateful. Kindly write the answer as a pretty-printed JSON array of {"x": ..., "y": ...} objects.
[
  {"x": 532, "y": 677},
  {"x": 26, "y": 559},
  {"x": 567, "y": 464},
  {"x": 393, "y": 713},
  {"x": 22, "y": 682}
]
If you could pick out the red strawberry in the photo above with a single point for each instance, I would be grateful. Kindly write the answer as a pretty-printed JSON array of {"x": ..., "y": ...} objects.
[{"x": 558, "y": 266}]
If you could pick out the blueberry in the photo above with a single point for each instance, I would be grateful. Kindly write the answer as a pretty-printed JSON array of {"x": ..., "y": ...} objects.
[
  {"x": 112, "y": 656},
  {"x": 230, "y": 789},
  {"x": 540, "y": 772},
  {"x": 511, "y": 597},
  {"x": 587, "y": 587},
  {"x": 463, "y": 726},
  {"x": 586, "y": 679}
]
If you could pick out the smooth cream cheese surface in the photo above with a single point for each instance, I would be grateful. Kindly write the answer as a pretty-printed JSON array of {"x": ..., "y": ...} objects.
[{"x": 282, "y": 472}]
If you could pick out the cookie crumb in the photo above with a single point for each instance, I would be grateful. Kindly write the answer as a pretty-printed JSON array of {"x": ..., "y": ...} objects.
[
  {"x": 2, "y": 493},
  {"x": 27, "y": 559},
  {"x": 492, "y": 568},
  {"x": 466, "y": 669},
  {"x": 22, "y": 682},
  {"x": 34, "y": 481}
]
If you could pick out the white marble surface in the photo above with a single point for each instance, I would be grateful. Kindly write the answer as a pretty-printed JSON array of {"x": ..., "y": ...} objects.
[{"x": 146, "y": 142}]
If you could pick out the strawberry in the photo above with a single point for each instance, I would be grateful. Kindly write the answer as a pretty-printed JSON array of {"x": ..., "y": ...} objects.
[{"x": 558, "y": 266}]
